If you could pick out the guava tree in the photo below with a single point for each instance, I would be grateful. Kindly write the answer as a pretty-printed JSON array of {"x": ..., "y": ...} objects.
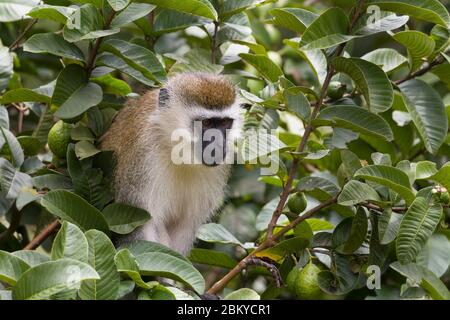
[{"x": 357, "y": 91}]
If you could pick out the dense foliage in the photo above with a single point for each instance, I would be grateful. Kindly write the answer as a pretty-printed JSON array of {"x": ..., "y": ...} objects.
[{"x": 356, "y": 90}]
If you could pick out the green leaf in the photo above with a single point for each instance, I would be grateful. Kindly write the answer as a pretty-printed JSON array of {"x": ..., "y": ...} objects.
[
  {"x": 4, "y": 117},
  {"x": 268, "y": 69},
  {"x": 24, "y": 95},
  {"x": 101, "y": 258},
  {"x": 212, "y": 258},
  {"x": 85, "y": 149},
  {"x": 133, "y": 12},
  {"x": 70, "y": 242},
  {"x": 32, "y": 258},
  {"x": 165, "y": 265},
  {"x": 319, "y": 225},
  {"x": 142, "y": 60},
  {"x": 243, "y": 294},
  {"x": 427, "y": 111},
  {"x": 428, "y": 10},
  {"x": 370, "y": 80},
  {"x": 49, "y": 278},
  {"x": 434, "y": 254},
  {"x": 390, "y": 177},
  {"x": 90, "y": 25},
  {"x": 229, "y": 8},
  {"x": 53, "y": 44},
  {"x": 88, "y": 182},
  {"x": 12, "y": 181},
  {"x": 80, "y": 101},
  {"x": 70, "y": 207},
  {"x": 202, "y": 8},
  {"x": 11, "y": 267},
  {"x": 388, "y": 59},
  {"x": 58, "y": 14},
  {"x": 142, "y": 246},
  {"x": 425, "y": 278},
  {"x": 126, "y": 287},
  {"x": 294, "y": 19},
  {"x": 425, "y": 170},
  {"x": 419, "y": 46},
  {"x": 315, "y": 58},
  {"x": 297, "y": 103},
  {"x": 8, "y": 139},
  {"x": 82, "y": 133},
  {"x": 416, "y": 228},
  {"x": 441, "y": 37},
  {"x": 328, "y": 30},
  {"x": 385, "y": 21},
  {"x": 123, "y": 218},
  {"x": 6, "y": 67},
  {"x": 170, "y": 21},
  {"x": 321, "y": 187},
  {"x": 14, "y": 10},
  {"x": 52, "y": 181},
  {"x": 355, "y": 192},
  {"x": 110, "y": 60},
  {"x": 196, "y": 60},
  {"x": 44, "y": 125},
  {"x": 265, "y": 215},
  {"x": 118, "y": 5},
  {"x": 388, "y": 225},
  {"x": 340, "y": 280},
  {"x": 126, "y": 263},
  {"x": 216, "y": 233},
  {"x": 442, "y": 176},
  {"x": 285, "y": 247},
  {"x": 356, "y": 119},
  {"x": 73, "y": 93},
  {"x": 350, "y": 234},
  {"x": 113, "y": 85}
]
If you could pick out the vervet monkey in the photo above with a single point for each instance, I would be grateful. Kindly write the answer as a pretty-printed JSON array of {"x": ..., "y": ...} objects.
[{"x": 179, "y": 197}]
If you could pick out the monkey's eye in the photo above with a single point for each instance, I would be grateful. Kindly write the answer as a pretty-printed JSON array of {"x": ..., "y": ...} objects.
[{"x": 207, "y": 123}]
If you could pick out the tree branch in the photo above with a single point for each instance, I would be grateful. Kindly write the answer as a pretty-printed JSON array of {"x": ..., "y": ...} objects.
[
  {"x": 270, "y": 267},
  {"x": 16, "y": 42},
  {"x": 36, "y": 242},
  {"x": 94, "y": 51},
  {"x": 437, "y": 61},
  {"x": 214, "y": 42}
]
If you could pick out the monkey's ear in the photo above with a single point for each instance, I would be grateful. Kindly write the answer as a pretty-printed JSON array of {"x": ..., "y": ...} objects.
[{"x": 163, "y": 97}]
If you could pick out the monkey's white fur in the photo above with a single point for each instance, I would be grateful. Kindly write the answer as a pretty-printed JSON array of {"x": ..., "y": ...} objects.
[{"x": 179, "y": 198}]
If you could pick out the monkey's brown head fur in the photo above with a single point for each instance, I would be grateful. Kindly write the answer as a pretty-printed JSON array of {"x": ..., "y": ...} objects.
[{"x": 207, "y": 90}]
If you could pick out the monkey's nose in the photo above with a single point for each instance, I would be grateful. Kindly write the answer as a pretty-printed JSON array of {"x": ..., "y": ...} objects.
[{"x": 213, "y": 153}]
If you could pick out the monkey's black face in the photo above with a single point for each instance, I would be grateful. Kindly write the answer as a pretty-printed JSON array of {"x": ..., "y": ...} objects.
[{"x": 214, "y": 139}]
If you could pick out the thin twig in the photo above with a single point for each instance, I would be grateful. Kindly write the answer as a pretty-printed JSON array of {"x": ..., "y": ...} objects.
[
  {"x": 16, "y": 42},
  {"x": 150, "y": 38},
  {"x": 270, "y": 267},
  {"x": 214, "y": 42},
  {"x": 94, "y": 51},
  {"x": 437, "y": 61},
  {"x": 44, "y": 234}
]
